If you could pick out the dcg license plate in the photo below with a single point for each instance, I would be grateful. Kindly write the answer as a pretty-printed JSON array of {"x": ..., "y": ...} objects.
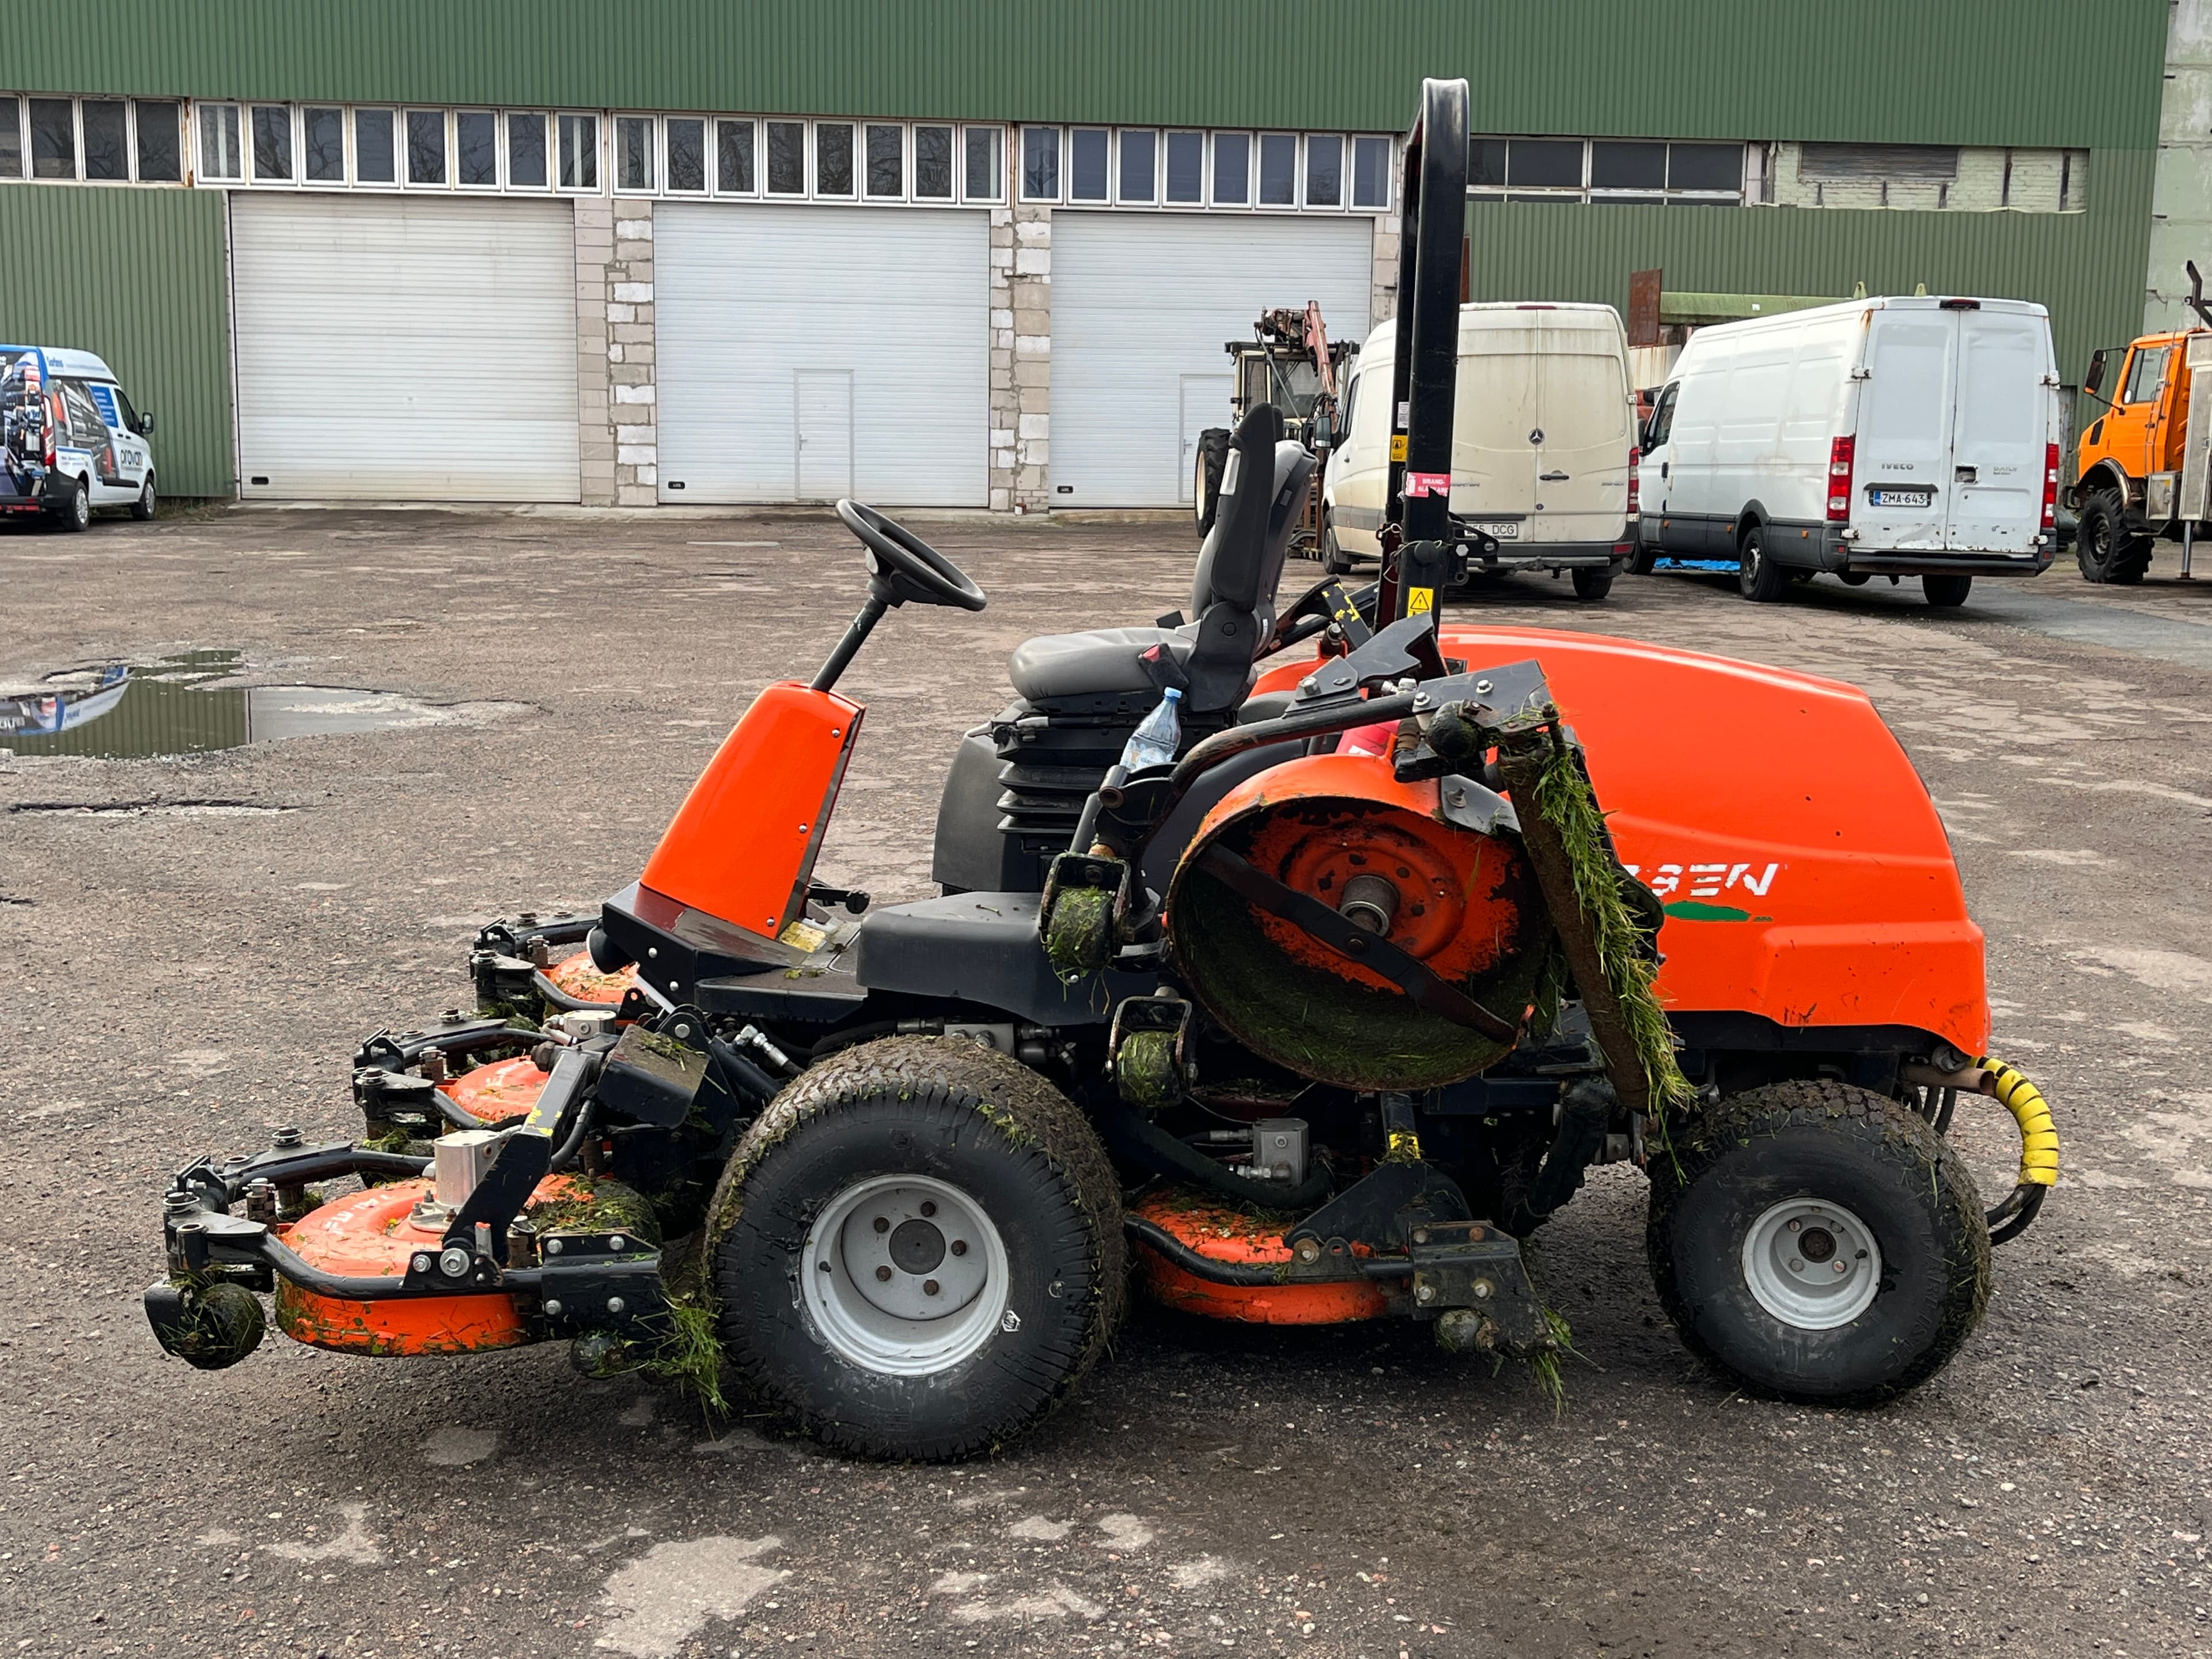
[{"x": 1503, "y": 530}]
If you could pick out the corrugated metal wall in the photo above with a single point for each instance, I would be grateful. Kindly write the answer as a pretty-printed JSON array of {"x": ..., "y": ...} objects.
[
  {"x": 2031, "y": 72},
  {"x": 2080, "y": 264},
  {"x": 136, "y": 275}
]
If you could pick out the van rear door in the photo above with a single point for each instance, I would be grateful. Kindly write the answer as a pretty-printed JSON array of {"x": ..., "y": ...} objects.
[
  {"x": 2002, "y": 426},
  {"x": 1583, "y": 442},
  {"x": 1494, "y": 422},
  {"x": 1902, "y": 458}
]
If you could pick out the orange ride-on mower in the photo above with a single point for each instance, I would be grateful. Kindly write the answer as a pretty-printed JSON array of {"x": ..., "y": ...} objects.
[{"x": 1315, "y": 997}]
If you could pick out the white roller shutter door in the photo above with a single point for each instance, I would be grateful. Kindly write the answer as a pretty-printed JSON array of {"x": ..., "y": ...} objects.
[
  {"x": 805, "y": 353},
  {"x": 405, "y": 347},
  {"x": 1142, "y": 304}
]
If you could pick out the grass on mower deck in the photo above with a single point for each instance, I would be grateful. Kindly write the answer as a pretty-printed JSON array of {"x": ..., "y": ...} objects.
[{"x": 1565, "y": 796}]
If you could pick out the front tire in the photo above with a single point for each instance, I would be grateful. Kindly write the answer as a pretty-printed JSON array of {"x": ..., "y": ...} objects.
[
  {"x": 1594, "y": 584},
  {"x": 917, "y": 1250},
  {"x": 2103, "y": 547},
  {"x": 143, "y": 508},
  {"x": 1819, "y": 1242},
  {"x": 1946, "y": 592},
  {"x": 1333, "y": 560},
  {"x": 1758, "y": 577}
]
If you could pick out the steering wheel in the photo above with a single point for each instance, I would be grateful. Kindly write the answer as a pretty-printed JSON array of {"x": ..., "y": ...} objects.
[{"x": 903, "y": 566}]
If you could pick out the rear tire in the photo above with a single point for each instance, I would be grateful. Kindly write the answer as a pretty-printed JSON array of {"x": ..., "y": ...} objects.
[
  {"x": 2104, "y": 546},
  {"x": 1758, "y": 577},
  {"x": 1592, "y": 585},
  {"x": 143, "y": 508},
  {"x": 1641, "y": 562},
  {"x": 1031, "y": 1242},
  {"x": 1211, "y": 457},
  {"x": 1853, "y": 578},
  {"x": 1751, "y": 1185},
  {"x": 75, "y": 513},
  {"x": 1946, "y": 592}
]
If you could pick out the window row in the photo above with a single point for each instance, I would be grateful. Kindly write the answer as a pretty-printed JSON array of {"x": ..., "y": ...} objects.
[
  {"x": 1636, "y": 172},
  {"x": 1143, "y": 166},
  {"x": 828, "y": 161},
  {"x": 433, "y": 149},
  {"x": 103, "y": 140}
]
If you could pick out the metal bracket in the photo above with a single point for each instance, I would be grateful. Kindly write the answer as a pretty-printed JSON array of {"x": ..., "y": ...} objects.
[
  {"x": 1406, "y": 647},
  {"x": 1471, "y": 1265},
  {"x": 1380, "y": 1212}
]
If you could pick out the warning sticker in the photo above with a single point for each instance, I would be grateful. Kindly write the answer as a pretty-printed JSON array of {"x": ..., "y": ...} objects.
[
  {"x": 1427, "y": 483},
  {"x": 1419, "y": 601},
  {"x": 1397, "y": 445}
]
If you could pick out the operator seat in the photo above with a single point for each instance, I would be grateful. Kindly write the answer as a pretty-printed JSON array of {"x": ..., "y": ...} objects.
[{"x": 1232, "y": 598}]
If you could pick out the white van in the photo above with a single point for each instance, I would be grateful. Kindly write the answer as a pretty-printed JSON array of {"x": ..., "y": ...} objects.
[
  {"x": 1542, "y": 435},
  {"x": 69, "y": 440},
  {"x": 1901, "y": 437}
]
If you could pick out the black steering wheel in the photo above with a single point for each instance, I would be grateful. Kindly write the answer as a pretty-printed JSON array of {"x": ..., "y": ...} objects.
[{"x": 904, "y": 567}]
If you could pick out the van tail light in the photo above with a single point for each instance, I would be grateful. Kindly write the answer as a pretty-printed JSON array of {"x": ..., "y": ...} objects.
[
  {"x": 53, "y": 428},
  {"x": 1635, "y": 484},
  {"x": 2049, "y": 486},
  {"x": 1840, "y": 479}
]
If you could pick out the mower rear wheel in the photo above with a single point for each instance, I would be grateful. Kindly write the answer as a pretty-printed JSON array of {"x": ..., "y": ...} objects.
[
  {"x": 1818, "y": 1242},
  {"x": 917, "y": 1250}
]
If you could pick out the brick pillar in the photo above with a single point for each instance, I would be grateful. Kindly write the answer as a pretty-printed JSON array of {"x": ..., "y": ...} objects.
[
  {"x": 1021, "y": 358},
  {"x": 1382, "y": 297},
  {"x": 595, "y": 433},
  {"x": 629, "y": 357}
]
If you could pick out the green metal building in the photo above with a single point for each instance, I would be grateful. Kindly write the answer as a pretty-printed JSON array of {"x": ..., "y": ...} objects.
[{"x": 973, "y": 252}]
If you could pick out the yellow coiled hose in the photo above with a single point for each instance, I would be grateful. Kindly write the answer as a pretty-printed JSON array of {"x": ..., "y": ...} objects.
[{"x": 2039, "y": 1147}]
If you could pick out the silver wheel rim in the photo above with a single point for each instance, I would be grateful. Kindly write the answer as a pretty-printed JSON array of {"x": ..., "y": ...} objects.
[
  {"x": 915, "y": 1295},
  {"x": 1812, "y": 1264}
]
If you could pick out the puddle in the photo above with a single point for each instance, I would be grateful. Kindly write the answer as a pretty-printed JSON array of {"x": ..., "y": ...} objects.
[{"x": 184, "y": 705}]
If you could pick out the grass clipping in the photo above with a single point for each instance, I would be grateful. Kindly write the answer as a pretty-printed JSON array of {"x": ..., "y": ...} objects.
[{"x": 1564, "y": 797}]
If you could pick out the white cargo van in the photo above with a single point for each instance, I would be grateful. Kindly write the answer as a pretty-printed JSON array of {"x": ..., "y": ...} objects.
[
  {"x": 1901, "y": 437},
  {"x": 69, "y": 440},
  {"x": 1542, "y": 433}
]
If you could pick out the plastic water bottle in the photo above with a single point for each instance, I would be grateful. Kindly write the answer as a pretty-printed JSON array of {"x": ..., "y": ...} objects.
[{"x": 1153, "y": 742}]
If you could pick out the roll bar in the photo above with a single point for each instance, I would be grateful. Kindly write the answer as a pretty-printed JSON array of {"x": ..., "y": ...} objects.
[{"x": 1432, "y": 206}]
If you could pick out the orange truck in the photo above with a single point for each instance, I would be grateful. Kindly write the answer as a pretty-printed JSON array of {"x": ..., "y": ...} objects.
[{"x": 2140, "y": 470}]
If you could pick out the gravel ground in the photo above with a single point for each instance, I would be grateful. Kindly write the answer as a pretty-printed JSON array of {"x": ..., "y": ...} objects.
[{"x": 191, "y": 947}]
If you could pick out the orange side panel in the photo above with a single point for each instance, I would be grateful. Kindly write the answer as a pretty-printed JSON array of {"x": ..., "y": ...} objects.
[
  {"x": 504, "y": 1089},
  {"x": 743, "y": 845},
  {"x": 1806, "y": 874},
  {"x": 1225, "y": 1233}
]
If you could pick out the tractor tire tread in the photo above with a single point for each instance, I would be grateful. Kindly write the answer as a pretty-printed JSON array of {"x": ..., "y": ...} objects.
[
  {"x": 1893, "y": 1133},
  {"x": 960, "y": 1081}
]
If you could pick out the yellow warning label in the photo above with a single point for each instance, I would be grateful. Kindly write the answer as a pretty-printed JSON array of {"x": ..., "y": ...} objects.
[
  {"x": 1419, "y": 601},
  {"x": 1397, "y": 445}
]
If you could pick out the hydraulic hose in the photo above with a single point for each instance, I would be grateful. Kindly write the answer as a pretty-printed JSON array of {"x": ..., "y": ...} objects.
[
  {"x": 1152, "y": 1147},
  {"x": 2038, "y": 1147},
  {"x": 2039, "y": 1135}
]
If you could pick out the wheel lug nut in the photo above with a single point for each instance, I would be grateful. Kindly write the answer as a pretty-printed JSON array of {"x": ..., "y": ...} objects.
[
  {"x": 883, "y": 1224},
  {"x": 959, "y": 1247},
  {"x": 928, "y": 1207},
  {"x": 1843, "y": 1267},
  {"x": 1795, "y": 1225},
  {"x": 882, "y": 1274},
  {"x": 929, "y": 1287},
  {"x": 1795, "y": 1266}
]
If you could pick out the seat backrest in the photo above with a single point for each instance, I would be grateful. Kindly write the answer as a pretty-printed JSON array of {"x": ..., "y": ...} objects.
[{"x": 1241, "y": 562}]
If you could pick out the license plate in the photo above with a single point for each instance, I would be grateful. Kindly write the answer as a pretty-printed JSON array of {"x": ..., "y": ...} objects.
[
  {"x": 1895, "y": 497},
  {"x": 1503, "y": 530}
]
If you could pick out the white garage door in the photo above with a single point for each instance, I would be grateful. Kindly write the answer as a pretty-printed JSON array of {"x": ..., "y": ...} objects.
[
  {"x": 803, "y": 354},
  {"x": 405, "y": 348},
  {"x": 1141, "y": 306}
]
